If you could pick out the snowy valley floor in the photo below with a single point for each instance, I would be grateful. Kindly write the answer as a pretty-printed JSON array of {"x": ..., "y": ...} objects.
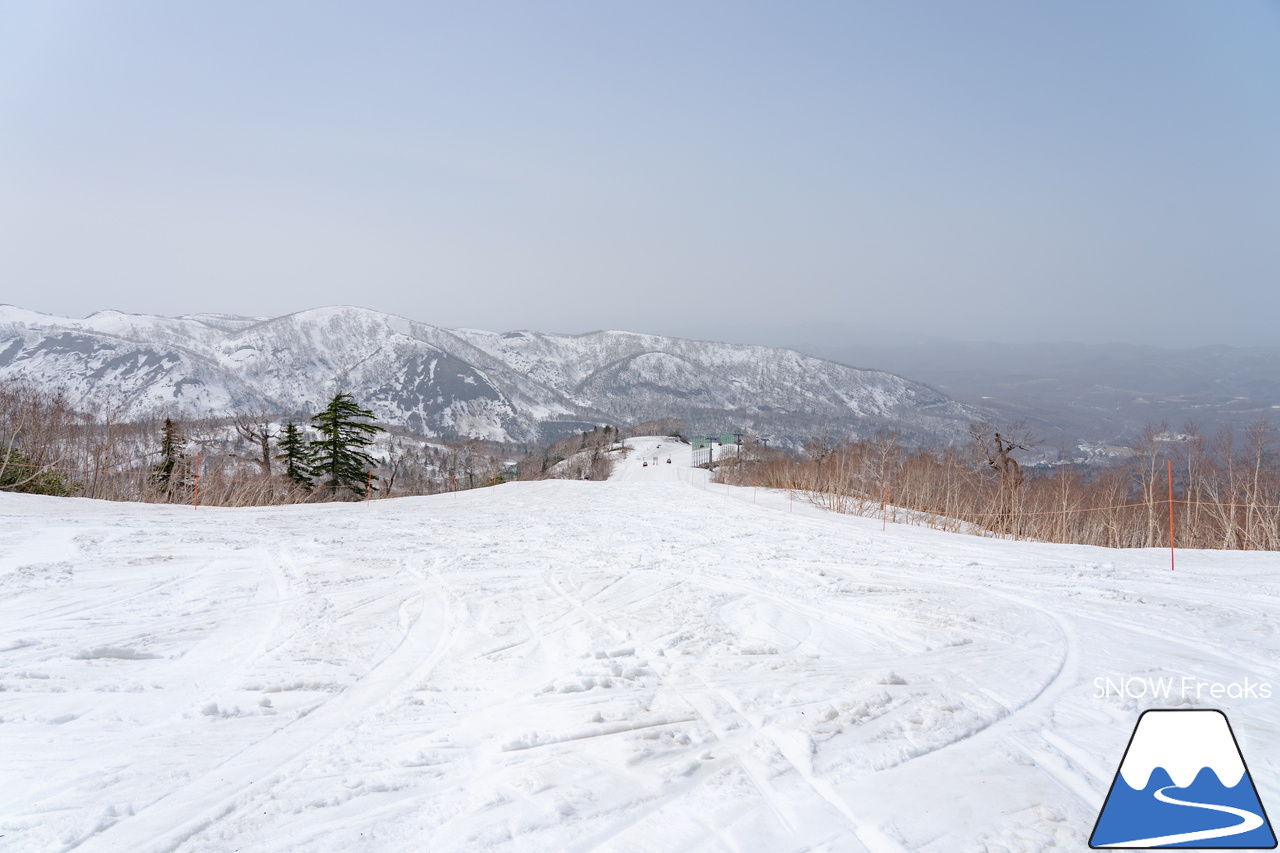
[{"x": 645, "y": 664}]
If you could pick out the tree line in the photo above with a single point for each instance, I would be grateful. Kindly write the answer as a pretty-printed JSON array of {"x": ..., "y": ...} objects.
[
  {"x": 1225, "y": 487},
  {"x": 334, "y": 461},
  {"x": 47, "y": 446}
]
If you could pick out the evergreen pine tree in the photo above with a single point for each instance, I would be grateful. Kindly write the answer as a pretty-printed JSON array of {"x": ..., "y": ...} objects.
[
  {"x": 296, "y": 454},
  {"x": 338, "y": 454},
  {"x": 171, "y": 456}
]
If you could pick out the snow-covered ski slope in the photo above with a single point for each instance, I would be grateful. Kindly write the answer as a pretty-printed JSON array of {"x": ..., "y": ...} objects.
[{"x": 648, "y": 664}]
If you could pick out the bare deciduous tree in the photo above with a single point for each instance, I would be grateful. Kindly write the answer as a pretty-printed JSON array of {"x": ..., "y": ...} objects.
[
  {"x": 258, "y": 430},
  {"x": 36, "y": 429},
  {"x": 995, "y": 447}
]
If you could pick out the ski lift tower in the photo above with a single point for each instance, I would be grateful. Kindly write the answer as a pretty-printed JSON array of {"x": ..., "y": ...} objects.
[{"x": 703, "y": 452}]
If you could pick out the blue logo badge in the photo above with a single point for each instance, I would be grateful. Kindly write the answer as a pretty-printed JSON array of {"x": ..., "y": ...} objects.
[{"x": 1183, "y": 783}]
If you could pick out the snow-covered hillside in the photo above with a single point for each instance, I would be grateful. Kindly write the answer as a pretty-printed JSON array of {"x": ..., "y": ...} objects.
[
  {"x": 652, "y": 663},
  {"x": 631, "y": 375},
  {"x": 464, "y": 382}
]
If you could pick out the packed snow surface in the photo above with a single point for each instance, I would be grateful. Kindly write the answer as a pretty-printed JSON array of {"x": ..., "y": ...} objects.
[{"x": 652, "y": 663}]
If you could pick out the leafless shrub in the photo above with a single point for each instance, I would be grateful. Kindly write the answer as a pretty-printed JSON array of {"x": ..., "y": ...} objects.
[{"x": 1226, "y": 494}]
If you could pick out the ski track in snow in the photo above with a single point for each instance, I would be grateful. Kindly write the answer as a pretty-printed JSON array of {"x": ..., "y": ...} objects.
[{"x": 654, "y": 663}]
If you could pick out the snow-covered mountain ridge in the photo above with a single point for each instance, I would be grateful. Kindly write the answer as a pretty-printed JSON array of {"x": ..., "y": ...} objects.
[{"x": 464, "y": 382}]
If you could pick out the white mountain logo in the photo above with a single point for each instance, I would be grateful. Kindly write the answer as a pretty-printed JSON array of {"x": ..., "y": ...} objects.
[{"x": 1183, "y": 783}]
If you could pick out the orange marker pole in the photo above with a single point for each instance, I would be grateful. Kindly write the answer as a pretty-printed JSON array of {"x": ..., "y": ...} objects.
[{"x": 1170, "y": 464}]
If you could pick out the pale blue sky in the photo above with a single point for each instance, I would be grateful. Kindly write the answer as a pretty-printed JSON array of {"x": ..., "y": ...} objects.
[{"x": 1004, "y": 171}]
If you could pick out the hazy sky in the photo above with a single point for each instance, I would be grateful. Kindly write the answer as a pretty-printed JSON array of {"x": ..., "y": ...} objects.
[{"x": 1000, "y": 171}]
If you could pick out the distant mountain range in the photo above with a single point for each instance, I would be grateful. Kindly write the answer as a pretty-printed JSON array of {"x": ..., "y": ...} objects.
[
  {"x": 514, "y": 386},
  {"x": 1090, "y": 393}
]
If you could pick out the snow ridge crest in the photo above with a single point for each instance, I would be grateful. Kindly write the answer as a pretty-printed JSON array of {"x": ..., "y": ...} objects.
[{"x": 460, "y": 382}]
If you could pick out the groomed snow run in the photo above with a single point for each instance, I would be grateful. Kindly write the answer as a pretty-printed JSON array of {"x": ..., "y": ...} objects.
[{"x": 655, "y": 663}]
